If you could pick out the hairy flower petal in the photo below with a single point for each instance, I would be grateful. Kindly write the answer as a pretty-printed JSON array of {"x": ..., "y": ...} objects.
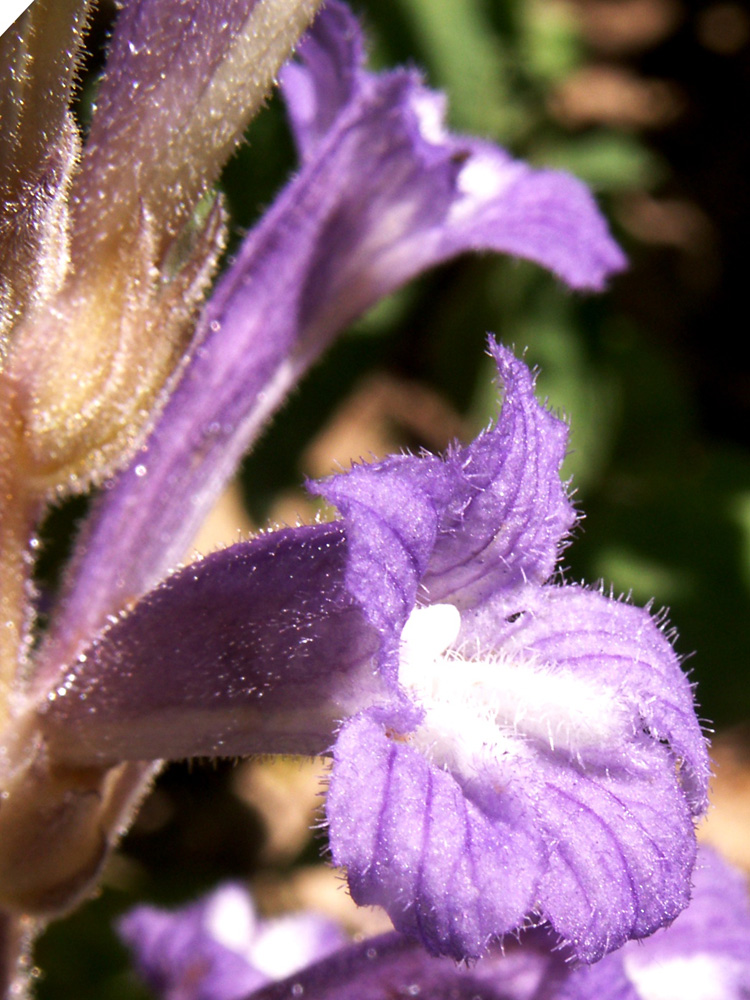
[
  {"x": 252, "y": 650},
  {"x": 528, "y": 753},
  {"x": 612, "y": 646},
  {"x": 446, "y": 871},
  {"x": 601, "y": 854},
  {"x": 703, "y": 955},
  {"x": 219, "y": 949},
  {"x": 472, "y": 194},
  {"x": 393, "y": 966}
]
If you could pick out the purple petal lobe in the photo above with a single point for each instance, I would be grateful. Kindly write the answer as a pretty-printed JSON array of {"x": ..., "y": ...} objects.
[
  {"x": 457, "y": 859},
  {"x": 620, "y": 846},
  {"x": 246, "y": 651},
  {"x": 482, "y": 520},
  {"x": 612, "y": 647},
  {"x": 326, "y": 78},
  {"x": 508, "y": 511},
  {"x": 703, "y": 955},
  {"x": 559, "y": 714},
  {"x": 481, "y": 197},
  {"x": 606, "y": 980},
  {"x": 717, "y": 920},
  {"x": 392, "y": 513},
  {"x": 447, "y": 872}
]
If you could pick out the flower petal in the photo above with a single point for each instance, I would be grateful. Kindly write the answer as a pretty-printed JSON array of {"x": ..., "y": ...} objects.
[
  {"x": 326, "y": 79},
  {"x": 603, "y": 855},
  {"x": 218, "y": 949},
  {"x": 621, "y": 848},
  {"x": 612, "y": 646},
  {"x": 469, "y": 195},
  {"x": 506, "y": 525},
  {"x": 392, "y": 515},
  {"x": 392, "y": 966},
  {"x": 252, "y": 650},
  {"x": 176, "y": 955},
  {"x": 703, "y": 955},
  {"x": 446, "y": 871}
]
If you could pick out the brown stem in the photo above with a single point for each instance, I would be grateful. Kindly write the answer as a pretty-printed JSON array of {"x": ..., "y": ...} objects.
[
  {"x": 18, "y": 511},
  {"x": 16, "y": 936}
]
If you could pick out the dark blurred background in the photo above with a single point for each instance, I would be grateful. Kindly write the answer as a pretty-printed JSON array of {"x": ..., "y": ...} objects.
[{"x": 646, "y": 101}]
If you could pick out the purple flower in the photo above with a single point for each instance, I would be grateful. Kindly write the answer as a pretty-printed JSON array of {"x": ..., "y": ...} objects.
[
  {"x": 219, "y": 949},
  {"x": 525, "y": 763},
  {"x": 384, "y": 192},
  {"x": 513, "y": 749},
  {"x": 393, "y": 966}
]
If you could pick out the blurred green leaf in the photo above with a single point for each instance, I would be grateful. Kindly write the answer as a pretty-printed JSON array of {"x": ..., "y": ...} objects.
[
  {"x": 466, "y": 57},
  {"x": 551, "y": 46},
  {"x": 606, "y": 160}
]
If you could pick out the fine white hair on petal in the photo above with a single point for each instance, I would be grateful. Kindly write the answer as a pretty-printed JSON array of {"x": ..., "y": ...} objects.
[{"x": 481, "y": 706}]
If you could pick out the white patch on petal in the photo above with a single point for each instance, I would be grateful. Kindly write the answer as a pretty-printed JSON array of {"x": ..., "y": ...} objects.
[
  {"x": 483, "y": 179},
  {"x": 230, "y": 918},
  {"x": 430, "y": 111},
  {"x": 477, "y": 708},
  {"x": 288, "y": 944},
  {"x": 428, "y": 632},
  {"x": 697, "y": 977}
]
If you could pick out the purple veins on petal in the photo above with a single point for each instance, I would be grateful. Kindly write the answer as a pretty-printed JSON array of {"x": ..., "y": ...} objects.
[
  {"x": 527, "y": 752},
  {"x": 477, "y": 523},
  {"x": 703, "y": 955},
  {"x": 448, "y": 872},
  {"x": 524, "y": 752}
]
